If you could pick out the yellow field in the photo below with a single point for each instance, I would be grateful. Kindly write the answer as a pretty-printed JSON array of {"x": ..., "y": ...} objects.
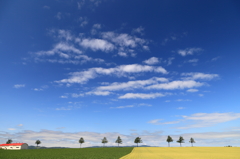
[{"x": 184, "y": 153}]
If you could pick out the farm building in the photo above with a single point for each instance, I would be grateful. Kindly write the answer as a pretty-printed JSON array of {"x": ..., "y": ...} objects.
[{"x": 14, "y": 146}]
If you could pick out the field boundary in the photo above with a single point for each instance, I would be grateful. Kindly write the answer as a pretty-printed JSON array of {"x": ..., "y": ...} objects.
[{"x": 128, "y": 154}]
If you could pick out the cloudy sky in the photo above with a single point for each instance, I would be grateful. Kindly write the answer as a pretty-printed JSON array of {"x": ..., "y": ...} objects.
[{"x": 128, "y": 68}]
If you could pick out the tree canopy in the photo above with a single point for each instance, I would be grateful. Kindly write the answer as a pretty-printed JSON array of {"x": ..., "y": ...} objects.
[
  {"x": 138, "y": 140},
  {"x": 180, "y": 140},
  {"x": 81, "y": 141},
  {"x": 118, "y": 141},
  {"x": 192, "y": 141},
  {"x": 169, "y": 139},
  {"x": 9, "y": 141},
  {"x": 38, "y": 142},
  {"x": 104, "y": 140}
]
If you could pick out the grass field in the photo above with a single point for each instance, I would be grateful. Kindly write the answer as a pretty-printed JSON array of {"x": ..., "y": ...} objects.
[
  {"x": 70, "y": 153},
  {"x": 184, "y": 153}
]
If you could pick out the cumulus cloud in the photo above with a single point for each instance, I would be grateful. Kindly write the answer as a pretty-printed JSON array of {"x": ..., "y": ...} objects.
[
  {"x": 19, "y": 86},
  {"x": 141, "y": 95},
  {"x": 121, "y": 71},
  {"x": 189, "y": 51},
  {"x": 152, "y": 61}
]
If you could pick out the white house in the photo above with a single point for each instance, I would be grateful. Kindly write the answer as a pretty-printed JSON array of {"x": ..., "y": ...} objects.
[{"x": 14, "y": 146}]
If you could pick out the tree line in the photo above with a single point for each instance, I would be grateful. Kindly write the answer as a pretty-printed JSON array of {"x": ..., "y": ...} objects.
[
  {"x": 119, "y": 141},
  {"x": 139, "y": 140}
]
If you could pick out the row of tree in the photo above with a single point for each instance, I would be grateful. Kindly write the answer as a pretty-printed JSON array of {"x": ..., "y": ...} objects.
[
  {"x": 139, "y": 140},
  {"x": 119, "y": 141}
]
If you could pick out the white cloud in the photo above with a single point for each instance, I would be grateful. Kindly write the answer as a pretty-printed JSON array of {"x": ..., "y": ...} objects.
[
  {"x": 138, "y": 30},
  {"x": 169, "y": 61},
  {"x": 157, "y": 122},
  {"x": 122, "y": 107},
  {"x": 192, "y": 90},
  {"x": 11, "y": 129},
  {"x": 197, "y": 75},
  {"x": 201, "y": 95},
  {"x": 209, "y": 119},
  {"x": 215, "y": 58},
  {"x": 123, "y": 54},
  {"x": 59, "y": 16},
  {"x": 20, "y": 125},
  {"x": 19, "y": 85},
  {"x": 141, "y": 95},
  {"x": 99, "y": 93},
  {"x": 131, "y": 106},
  {"x": 152, "y": 61},
  {"x": 46, "y": 7},
  {"x": 97, "y": 26},
  {"x": 120, "y": 71},
  {"x": 97, "y": 44},
  {"x": 72, "y": 106},
  {"x": 80, "y": 4},
  {"x": 183, "y": 100},
  {"x": 193, "y": 61},
  {"x": 131, "y": 84},
  {"x": 176, "y": 85},
  {"x": 189, "y": 51},
  {"x": 181, "y": 108},
  {"x": 63, "y": 96},
  {"x": 50, "y": 138},
  {"x": 74, "y": 95},
  {"x": 126, "y": 43}
]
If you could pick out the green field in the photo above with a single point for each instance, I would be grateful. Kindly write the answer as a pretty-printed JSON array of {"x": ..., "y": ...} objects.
[{"x": 68, "y": 153}]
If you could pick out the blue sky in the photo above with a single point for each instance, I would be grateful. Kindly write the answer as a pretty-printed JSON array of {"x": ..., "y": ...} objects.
[{"x": 108, "y": 68}]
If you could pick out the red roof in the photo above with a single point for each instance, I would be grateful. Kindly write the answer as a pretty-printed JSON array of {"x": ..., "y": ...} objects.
[{"x": 13, "y": 144}]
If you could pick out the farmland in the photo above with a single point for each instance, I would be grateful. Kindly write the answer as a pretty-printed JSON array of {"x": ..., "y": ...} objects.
[
  {"x": 184, "y": 153},
  {"x": 126, "y": 153},
  {"x": 69, "y": 153}
]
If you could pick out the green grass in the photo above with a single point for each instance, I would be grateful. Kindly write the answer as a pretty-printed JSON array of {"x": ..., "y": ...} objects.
[{"x": 69, "y": 153}]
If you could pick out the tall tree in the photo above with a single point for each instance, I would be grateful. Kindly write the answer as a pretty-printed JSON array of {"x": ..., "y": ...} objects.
[
  {"x": 81, "y": 140},
  {"x": 137, "y": 140},
  {"x": 9, "y": 141},
  {"x": 38, "y": 142},
  {"x": 104, "y": 141},
  {"x": 169, "y": 139},
  {"x": 119, "y": 141},
  {"x": 192, "y": 141},
  {"x": 180, "y": 140}
]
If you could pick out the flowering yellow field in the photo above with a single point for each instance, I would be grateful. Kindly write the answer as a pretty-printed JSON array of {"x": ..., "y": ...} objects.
[{"x": 184, "y": 153}]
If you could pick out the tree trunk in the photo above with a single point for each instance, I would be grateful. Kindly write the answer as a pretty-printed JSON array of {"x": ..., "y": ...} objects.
[
  {"x": 168, "y": 145},
  {"x": 180, "y": 144},
  {"x": 192, "y": 144}
]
